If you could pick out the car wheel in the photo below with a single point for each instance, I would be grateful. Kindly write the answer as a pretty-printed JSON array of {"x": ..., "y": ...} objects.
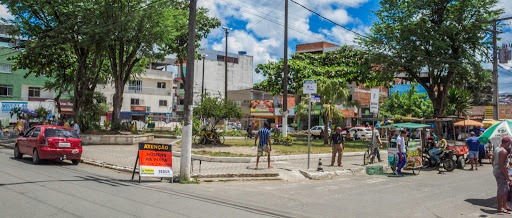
[
  {"x": 35, "y": 157},
  {"x": 17, "y": 153},
  {"x": 75, "y": 162}
]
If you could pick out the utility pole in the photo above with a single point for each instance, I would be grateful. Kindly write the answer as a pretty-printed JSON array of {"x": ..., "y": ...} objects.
[
  {"x": 202, "y": 83},
  {"x": 495, "y": 93},
  {"x": 226, "y": 31},
  {"x": 285, "y": 73},
  {"x": 186, "y": 142}
]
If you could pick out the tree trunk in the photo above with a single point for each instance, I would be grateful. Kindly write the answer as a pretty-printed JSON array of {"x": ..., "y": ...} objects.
[{"x": 117, "y": 103}]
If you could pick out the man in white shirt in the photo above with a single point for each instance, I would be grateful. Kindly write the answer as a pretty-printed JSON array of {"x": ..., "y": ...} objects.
[{"x": 402, "y": 157}]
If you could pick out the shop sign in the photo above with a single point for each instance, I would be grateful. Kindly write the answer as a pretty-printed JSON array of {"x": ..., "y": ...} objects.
[
  {"x": 139, "y": 108},
  {"x": 262, "y": 107},
  {"x": 8, "y": 106}
]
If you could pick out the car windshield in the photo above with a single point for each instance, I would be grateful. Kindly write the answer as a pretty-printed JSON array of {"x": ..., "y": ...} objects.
[{"x": 61, "y": 133}]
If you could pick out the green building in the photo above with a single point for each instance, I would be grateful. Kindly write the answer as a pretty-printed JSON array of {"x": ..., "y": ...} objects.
[{"x": 18, "y": 91}]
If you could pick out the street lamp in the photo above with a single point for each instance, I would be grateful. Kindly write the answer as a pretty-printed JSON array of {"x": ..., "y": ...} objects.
[{"x": 226, "y": 31}]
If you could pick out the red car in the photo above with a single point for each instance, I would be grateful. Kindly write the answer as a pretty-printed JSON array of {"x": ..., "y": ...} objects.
[{"x": 50, "y": 143}]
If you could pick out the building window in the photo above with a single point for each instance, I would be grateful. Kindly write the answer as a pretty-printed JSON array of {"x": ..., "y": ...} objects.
[
  {"x": 181, "y": 86},
  {"x": 162, "y": 103},
  {"x": 34, "y": 92},
  {"x": 5, "y": 68},
  {"x": 135, "y": 86},
  {"x": 161, "y": 85},
  {"x": 134, "y": 101},
  {"x": 230, "y": 59},
  {"x": 5, "y": 90}
]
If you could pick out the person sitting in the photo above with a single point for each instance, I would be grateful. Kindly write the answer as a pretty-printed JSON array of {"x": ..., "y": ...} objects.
[{"x": 438, "y": 149}]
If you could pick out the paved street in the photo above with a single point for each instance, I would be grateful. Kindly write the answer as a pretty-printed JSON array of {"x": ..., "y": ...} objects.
[{"x": 63, "y": 190}]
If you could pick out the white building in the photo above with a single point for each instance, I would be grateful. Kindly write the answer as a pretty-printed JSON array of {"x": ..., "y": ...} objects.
[
  {"x": 149, "y": 94},
  {"x": 240, "y": 72}
]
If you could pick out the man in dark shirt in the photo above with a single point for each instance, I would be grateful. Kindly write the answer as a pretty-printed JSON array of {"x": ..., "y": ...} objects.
[
  {"x": 474, "y": 146},
  {"x": 337, "y": 146}
]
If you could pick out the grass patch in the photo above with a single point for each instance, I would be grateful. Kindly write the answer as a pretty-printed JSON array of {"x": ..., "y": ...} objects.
[
  {"x": 220, "y": 154},
  {"x": 301, "y": 146}
]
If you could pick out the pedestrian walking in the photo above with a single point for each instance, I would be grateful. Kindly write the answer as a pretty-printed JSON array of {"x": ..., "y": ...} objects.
[
  {"x": 264, "y": 144},
  {"x": 65, "y": 122},
  {"x": 474, "y": 147},
  {"x": 337, "y": 146},
  {"x": 500, "y": 171},
  {"x": 402, "y": 156},
  {"x": 377, "y": 143}
]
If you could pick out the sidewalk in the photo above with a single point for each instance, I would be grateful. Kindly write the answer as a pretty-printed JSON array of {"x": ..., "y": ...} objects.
[{"x": 122, "y": 158}]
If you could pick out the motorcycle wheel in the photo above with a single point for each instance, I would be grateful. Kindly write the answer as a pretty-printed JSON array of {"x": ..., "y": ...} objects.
[
  {"x": 426, "y": 161},
  {"x": 461, "y": 163},
  {"x": 449, "y": 165}
]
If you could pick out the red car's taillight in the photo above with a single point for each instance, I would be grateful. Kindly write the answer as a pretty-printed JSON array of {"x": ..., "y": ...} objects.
[{"x": 44, "y": 141}]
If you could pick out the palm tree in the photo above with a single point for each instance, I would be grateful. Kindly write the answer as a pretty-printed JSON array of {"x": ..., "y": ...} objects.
[
  {"x": 332, "y": 92},
  {"x": 459, "y": 102}
]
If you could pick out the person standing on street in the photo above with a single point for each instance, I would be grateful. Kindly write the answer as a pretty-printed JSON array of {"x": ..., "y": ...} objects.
[
  {"x": 337, "y": 146},
  {"x": 500, "y": 165},
  {"x": 264, "y": 143},
  {"x": 474, "y": 147},
  {"x": 402, "y": 156},
  {"x": 377, "y": 143}
]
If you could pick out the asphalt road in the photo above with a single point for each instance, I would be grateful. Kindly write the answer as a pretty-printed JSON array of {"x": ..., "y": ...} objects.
[{"x": 59, "y": 189}]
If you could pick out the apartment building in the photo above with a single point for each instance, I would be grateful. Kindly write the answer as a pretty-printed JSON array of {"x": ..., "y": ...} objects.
[
  {"x": 148, "y": 95},
  {"x": 18, "y": 91}
]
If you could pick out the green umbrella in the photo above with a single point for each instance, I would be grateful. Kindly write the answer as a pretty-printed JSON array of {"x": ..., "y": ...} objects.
[
  {"x": 498, "y": 130},
  {"x": 410, "y": 125}
]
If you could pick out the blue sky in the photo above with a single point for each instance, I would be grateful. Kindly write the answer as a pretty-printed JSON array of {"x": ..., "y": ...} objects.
[{"x": 256, "y": 26}]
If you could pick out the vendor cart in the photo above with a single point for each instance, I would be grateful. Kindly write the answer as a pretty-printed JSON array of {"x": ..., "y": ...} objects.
[{"x": 413, "y": 149}]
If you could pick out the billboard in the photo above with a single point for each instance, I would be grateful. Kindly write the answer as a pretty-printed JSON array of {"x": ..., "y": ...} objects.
[
  {"x": 505, "y": 112},
  {"x": 262, "y": 107}
]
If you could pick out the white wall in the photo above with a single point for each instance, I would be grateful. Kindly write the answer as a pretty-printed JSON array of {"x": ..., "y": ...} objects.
[{"x": 239, "y": 75}]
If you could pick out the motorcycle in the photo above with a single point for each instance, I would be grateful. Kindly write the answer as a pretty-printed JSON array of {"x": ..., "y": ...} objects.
[{"x": 446, "y": 159}]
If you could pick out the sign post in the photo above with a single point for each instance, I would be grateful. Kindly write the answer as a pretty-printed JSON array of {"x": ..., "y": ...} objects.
[
  {"x": 155, "y": 160},
  {"x": 309, "y": 88},
  {"x": 374, "y": 109}
]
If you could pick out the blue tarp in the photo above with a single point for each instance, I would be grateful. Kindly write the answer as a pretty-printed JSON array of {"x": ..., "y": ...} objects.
[{"x": 402, "y": 88}]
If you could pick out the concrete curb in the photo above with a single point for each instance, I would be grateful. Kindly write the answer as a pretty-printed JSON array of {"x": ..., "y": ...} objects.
[{"x": 330, "y": 175}]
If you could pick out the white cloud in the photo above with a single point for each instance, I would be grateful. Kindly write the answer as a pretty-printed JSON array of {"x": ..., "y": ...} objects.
[{"x": 4, "y": 13}]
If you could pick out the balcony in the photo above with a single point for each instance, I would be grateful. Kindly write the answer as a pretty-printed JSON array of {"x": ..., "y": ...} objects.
[{"x": 149, "y": 91}]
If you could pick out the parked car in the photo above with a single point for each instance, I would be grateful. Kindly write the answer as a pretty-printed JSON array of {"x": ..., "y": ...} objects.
[
  {"x": 289, "y": 129},
  {"x": 362, "y": 133},
  {"x": 50, "y": 143},
  {"x": 344, "y": 130},
  {"x": 317, "y": 130}
]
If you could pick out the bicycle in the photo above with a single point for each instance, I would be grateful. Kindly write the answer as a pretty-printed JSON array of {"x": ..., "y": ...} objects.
[{"x": 209, "y": 136}]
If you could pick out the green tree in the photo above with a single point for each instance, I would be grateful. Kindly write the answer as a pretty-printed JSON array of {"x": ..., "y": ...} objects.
[
  {"x": 215, "y": 109},
  {"x": 204, "y": 25},
  {"x": 332, "y": 93},
  {"x": 459, "y": 102},
  {"x": 131, "y": 39},
  {"x": 410, "y": 103},
  {"x": 442, "y": 38},
  {"x": 346, "y": 63},
  {"x": 65, "y": 38},
  {"x": 478, "y": 84}
]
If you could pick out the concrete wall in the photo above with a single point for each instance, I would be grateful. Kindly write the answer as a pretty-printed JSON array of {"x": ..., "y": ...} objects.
[{"x": 115, "y": 139}]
